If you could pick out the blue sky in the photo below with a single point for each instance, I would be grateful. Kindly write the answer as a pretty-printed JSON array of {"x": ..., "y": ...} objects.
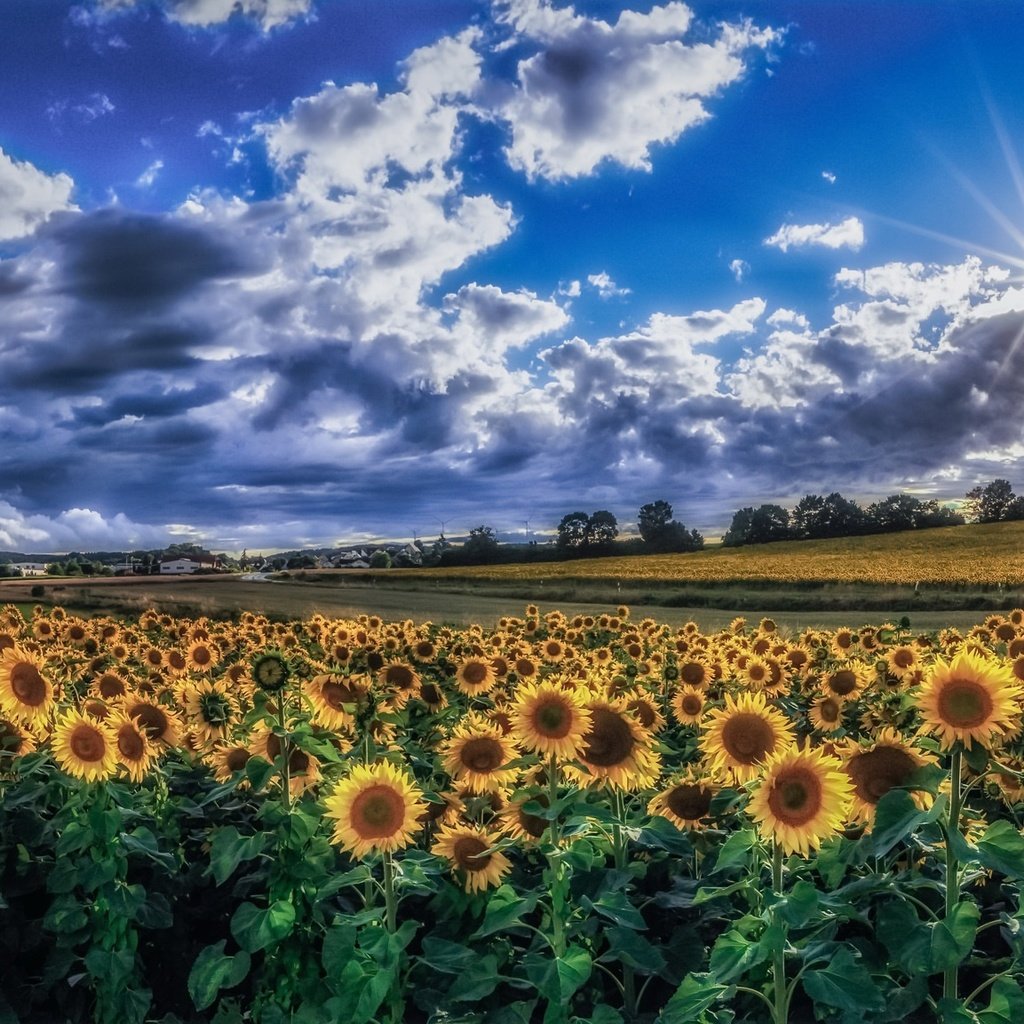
[{"x": 278, "y": 273}]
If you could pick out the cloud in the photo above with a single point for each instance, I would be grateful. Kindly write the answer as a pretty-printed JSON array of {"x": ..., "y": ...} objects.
[
  {"x": 739, "y": 269},
  {"x": 97, "y": 105},
  {"x": 268, "y": 14},
  {"x": 147, "y": 178},
  {"x": 29, "y": 196},
  {"x": 74, "y": 529},
  {"x": 829, "y": 177},
  {"x": 597, "y": 91},
  {"x": 846, "y": 234},
  {"x": 606, "y": 287}
]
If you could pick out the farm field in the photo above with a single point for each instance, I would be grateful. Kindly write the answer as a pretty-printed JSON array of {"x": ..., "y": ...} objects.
[{"x": 565, "y": 818}]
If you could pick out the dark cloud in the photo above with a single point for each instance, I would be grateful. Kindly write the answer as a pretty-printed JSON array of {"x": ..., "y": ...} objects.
[{"x": 151, "y": 405}]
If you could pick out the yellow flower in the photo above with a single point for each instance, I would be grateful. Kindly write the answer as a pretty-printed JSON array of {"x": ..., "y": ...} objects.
[
  {"x": 135, "y": 750},
  {"x": 876, "y": 768},
  {"x": 26, "y": 695},
  {"x": 617, "y": 749},
  {"x": 971, "y": 699},
  {"x": 743, "y": 733},
  {"x": 803, "y": 797},
  {"x": 211, "y": 711},
  {"x": 475, "y": 676},
  {"x": 375, "y": 809},
  {"x": 476, "y": 753},
  {"x": 468, "y": 848},
  {"x": 84, "y": 747},
  {"x": 686, "y": 801},
  {"x": 549, "y": 719}
]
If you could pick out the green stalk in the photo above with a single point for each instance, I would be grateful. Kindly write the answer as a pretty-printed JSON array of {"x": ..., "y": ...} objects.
[
  {"x": 621, "y": 861},
  {"x": 558, "y": 940},
  {"x": 949, "y": 978},
  {"x": 780, "y": 1012},
  {"x": 391, "y": 922},
  {"x": 286, "y": 780}
]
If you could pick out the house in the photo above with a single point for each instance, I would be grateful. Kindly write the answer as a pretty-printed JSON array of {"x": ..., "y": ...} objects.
[
  {"x": 30, "y": 568},
  {"x": 188, "y": 564}
]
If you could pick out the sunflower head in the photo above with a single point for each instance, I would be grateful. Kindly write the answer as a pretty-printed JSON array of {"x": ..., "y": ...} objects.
[
  {"x": 469, "y": 851},
  {"x": 26, "y": 694},
  {"x": 743, "y": 733},
  {"x": 617, "y": 749},
  {"x": 84, "y": 747},
  {"x": 686, "y": 800},
  {"x": 971, "y": 699},
  {"x": 271, "y": 671},
  {"x": 887, "y": 763},
  {"x": 550, "y": 719}
]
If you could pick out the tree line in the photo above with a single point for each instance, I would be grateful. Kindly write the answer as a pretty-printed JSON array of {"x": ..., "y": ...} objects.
[{"x": 817, "y": 517}]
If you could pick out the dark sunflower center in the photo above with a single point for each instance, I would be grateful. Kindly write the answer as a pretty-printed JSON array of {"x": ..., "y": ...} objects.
[
  {"x": 424, "y": 649},
  {"x": 552, "y": 719},
  {"x": 842, "y": 682},
  {"x": 610, "y": 740},
  {"x": 689, "y": 801},
  {"x": 399, "y": 676},
  {"x": 154, "y": 721},
  {"x": 130, "y": 743},
  {"x": 533, "y": 824},
  {"x": 474, "y": 673},
  {"x": 431, "y": 693},
  {"x": 482, "y": 754},
  {"x": 525, "y": 667},
  {"x": 202, "y": 656},
  {"x": 692, "y": 673},
  {"x": 691, "y": 704},
  {"x": 377, "y": 811},
  {"x": 829, "y": 710},
  {"x": 237, "y": 758},
  {"x": 111, "y": 686},
  {"x": 86, "y": 743},
  {"x": 643, "y": 711},
  {"x": 747, "y": 737},
  {"x": 875, "y": 772},
  {"x": 964, "y": 704},
  {"x": 176, "y": 660},
  {"x": 553, "y": 649},
  {"x": 28, "y": 685},
  {"x": 903, "y": 658},
  {"x": 468, "y": 853},
  {"x": 795, "y": 797}
]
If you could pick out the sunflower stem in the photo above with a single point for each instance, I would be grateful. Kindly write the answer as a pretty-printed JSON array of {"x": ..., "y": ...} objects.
[
  {"x": 558, "y": 942},
  {"x": 286, "y": 754},
  {"x": 619, "y": 845},
  {"x": 949, "y": 978},
  {"x": 391, "y": 921},
  {"x": 780, "y": 1012}
]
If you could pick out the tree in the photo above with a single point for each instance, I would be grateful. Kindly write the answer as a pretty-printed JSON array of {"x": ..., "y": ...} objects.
[
  {"x": 807, "y": 517},
  {"x": 380, "y": 559},
  {"x": 482, "y": 545},
  {"x": 572, "y": 531},
  {"x": 602, "y": 529},
  {"x": 652, "y": 520},
  {"x": 996, "y": 501},
  {"x": 761, "y": 525}
]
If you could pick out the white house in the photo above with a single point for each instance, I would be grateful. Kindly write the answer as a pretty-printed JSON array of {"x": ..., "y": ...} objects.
[
  {"x": 30, "y": 568},
  {"x": 193, "y": 563}
]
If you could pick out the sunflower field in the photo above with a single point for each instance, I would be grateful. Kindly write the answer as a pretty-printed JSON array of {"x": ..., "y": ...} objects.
[{"x": 558, "y": 820}]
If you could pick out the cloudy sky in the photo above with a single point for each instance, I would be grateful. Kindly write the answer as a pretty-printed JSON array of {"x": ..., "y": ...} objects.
[{"x": 277, "y": 273}]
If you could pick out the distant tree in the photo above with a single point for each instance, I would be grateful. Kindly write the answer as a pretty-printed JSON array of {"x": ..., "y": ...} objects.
[
  {"x": 602, "y": 529},
  {"x": 572, "y": 531},
  {"x": 762, "y": 525},
  {"x": 380, "y": 559},
  {"x": 933, "y": 514},
  {"x": 1015, "y": 510},
  {"x": 481, "y": 546},
  {"x": 807, "y": 517},
  {"x": 8, "y": 570},
  {"x": 652, "y": 520},
  {"x": 832, "y": 516},
  {"x": 301, "y": 562},
  {"x": 54, "y": 568},
  {"x": 996, "y": 501}
]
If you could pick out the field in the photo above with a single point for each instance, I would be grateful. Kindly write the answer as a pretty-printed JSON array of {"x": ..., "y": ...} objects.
[{"x": 561, "y": 819}]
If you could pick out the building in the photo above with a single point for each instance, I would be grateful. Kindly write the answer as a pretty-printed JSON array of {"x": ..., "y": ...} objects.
[
  {"x": 188, "y": 564},
  {"x": 30, "y": 568}
]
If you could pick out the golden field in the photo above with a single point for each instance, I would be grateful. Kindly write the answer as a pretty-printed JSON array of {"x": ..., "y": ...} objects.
[{"x": 980, "y": 555}]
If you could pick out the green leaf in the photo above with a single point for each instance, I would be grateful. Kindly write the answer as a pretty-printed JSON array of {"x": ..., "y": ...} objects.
[
  {"x": 477, "y": 981},
  {"x": 1006, "y": 1004},
  {"x": 228, "y": 849},
  {"x": 258, "y": 771},
  {"x": 1002, "y": 849},
  {"x": 632, "y": 949},
  {"x": 896, "y": 816},
  {"x": 449, "y": 957},
  {"x": 143, "y": 842},
  {"x": 212, "y": 971},
  {"x": 976, "y": 757},
  {"x": 339, "y": 948},
  {"x": 735, "y": 952},
  {"x": 557, "y": 979},
  {"x": 906, "y": 938},
  {"x": 952, "y": 1011},
  {"x": 799, "y": 904},
  {"x": 600, "y": 1015},
  {"x": 660, "y": 834},
  {"x": 504, "y": 910},
  {"x": 736, "y": 849},
  {"x": 953, "y": 937},
  {"x": 696, "y": 994},
  {"x": 374, "y": 993},
  {"x": 616, "y": 907},
  {"x": 845, "y": 983},
  {"x": 255, "y": 929}
]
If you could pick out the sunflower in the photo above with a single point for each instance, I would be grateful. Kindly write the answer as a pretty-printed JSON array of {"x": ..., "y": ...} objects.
[
  {"x": 802, "y": 797},
  {"x": 329, "y": 693},
  {"x": 645, "y": 711},
  {"x": 886, "y": 763},
  {"x": 617, "y": 749},
  {"x": 202, "y": 656},
  {"x": 228, "y": 758},
  {"x": 469, "y": 850},
  {"x": 971, "y": 699},
  {"x": 550, "y": 720},
  {"x": 25, "y": 693},
  {"x": 686, "y": 800},
  {"x": 400, "y": 680},
  {"x": 303, "y": 768},
  {"x": 755, "y": 674},
  {"x": 688, "y": 705},
  {"x": 902, "y": 660},
  {"x": 476, "y": 753},
  {"x": 520, "y": 824},
  {"x": 110, "y": 684},
  {"x": 695, "y": 672},
  {"x": 160, "y": 723},
  {"x": 135, "y": 750},
  {"x": 743, "y": 733},
  {"x": 84, "y": 747},
  {"x": 475, "y": 676},
  {"x": 826, "y": 714},
  {"x": 15, "y": 740},
  {"x": 843, "y": 642},
  {"x": 846, "y": 681},
  {"x": 210, "y": 710},
  {"x": 376, "y": 809}
]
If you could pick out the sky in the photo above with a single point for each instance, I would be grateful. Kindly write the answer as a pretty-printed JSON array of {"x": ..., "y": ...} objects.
[{"x": 289, "y": 273}]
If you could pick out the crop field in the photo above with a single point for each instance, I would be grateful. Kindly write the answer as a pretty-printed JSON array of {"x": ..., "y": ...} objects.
[
  {"x": 564, "y": 818},
  {"x": 980, "y": 555}
]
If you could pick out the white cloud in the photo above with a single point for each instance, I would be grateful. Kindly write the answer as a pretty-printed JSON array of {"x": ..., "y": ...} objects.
[
  {"x": 846, "y": 234},
  {"x": 829, "y": 177},
  {"x": 149, "y": 175},
  {"x": 207, "y": 13},
  {"x": 739, "y": 269},
  {"x": 29, "y": 196},
  {"x": 573, "y": 289},
  {"x": 599, "y": 91},
  {"x": 787, "y": 316},
  {"x": 606, "y": 287},
  {"x": 75, "y": 529}
]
